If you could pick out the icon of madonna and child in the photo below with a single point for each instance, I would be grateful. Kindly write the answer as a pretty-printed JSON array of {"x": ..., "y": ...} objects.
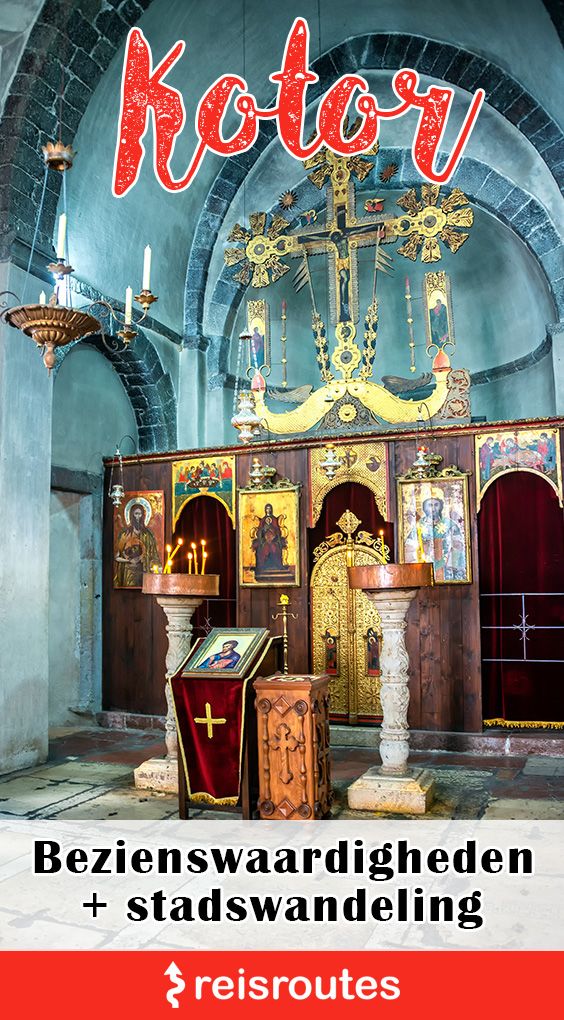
[
  {"x": 269, "y": 536},
  {"x": 270, "y": 544}
]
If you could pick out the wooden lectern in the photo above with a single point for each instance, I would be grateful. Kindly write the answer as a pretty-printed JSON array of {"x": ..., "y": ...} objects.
[{"x": 294, "y": 763}]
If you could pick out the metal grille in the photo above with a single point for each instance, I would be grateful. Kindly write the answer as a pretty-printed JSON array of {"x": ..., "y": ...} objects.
[{"x": 522, "y": 624}]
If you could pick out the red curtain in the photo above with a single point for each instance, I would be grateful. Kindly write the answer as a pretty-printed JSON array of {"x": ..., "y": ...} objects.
[
  {"x": 359, "y": 499},
  {"x": 204, "y": 517},
  {"x": 521, "y": 541}
]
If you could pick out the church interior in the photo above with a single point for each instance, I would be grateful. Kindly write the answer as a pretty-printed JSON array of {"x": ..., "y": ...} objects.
[{"x": 301, "y": 422}]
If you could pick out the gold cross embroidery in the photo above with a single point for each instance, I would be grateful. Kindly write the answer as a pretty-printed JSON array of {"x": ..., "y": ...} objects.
[{"x": 209, "y": 722}]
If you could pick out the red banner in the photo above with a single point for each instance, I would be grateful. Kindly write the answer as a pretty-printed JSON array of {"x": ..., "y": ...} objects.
[
  {"x": 398, "y": 985},
  {"x": 209, "y": 721}
]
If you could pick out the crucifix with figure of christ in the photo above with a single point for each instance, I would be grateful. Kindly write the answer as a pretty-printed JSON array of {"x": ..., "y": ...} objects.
[
  {"x": 422, "y": 224},
  {"x": 339, "y": 238},
  {"x": 427, "y": 222}
]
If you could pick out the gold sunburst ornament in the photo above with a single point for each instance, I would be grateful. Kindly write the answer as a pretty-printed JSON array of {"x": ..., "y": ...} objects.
[
  {"x": 388, "y": 172},
  {"x": 287, "y": 200},
  {"x": 259, "y": 259},
  {"x": 427, "y": 223}
]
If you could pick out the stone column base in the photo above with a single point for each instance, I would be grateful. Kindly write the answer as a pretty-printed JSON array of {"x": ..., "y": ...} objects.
[
  {"x": 158, "y": 774},
  {"x": 411, "y": 794}
]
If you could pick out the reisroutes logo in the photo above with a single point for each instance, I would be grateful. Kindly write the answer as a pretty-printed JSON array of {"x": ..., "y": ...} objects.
[
  {"x": 143, "y": 90},
  {"x": 340, "y": 986}
]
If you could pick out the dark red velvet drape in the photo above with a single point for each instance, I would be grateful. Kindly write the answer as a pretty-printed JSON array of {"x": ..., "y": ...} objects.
[
  {"x": 212, "y": 754},
  {"x": 359, "y": 499},
  {"x": 204, "y": 517},
  {"x": 521, "y": 541}
]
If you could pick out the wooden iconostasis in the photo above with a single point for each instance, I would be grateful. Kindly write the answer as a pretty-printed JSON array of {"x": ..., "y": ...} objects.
[{"x": 443, "y": 634}]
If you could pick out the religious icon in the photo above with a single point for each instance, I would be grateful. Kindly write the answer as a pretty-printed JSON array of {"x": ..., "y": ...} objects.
[
  {"x": 227, "y": 658},
  {"x": 437, "y": 303},
  {"x": 435, "y": 526},
  {"x": 258, "y": 325},
  {"x": 331, "y": 656},
  {"x": 269, "y": 536},
  {"x": 203, "y": 476},
  {"x": 535, "y": 450},
  {"x": 225, "y": 652},
  {"x": 138, "y": 538},
  {"x": 373, "y": 653}
]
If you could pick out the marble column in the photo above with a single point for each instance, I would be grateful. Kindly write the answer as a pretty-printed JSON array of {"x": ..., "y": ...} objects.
[
  {"x": 393, "y": 786},
  {"x": 161, "y": 774}
]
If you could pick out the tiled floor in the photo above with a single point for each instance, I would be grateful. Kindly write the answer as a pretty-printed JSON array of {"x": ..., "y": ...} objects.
[{"x": 90, "y": 775}]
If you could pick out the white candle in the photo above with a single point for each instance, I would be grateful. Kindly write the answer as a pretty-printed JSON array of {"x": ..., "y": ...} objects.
[
  {"x": 147, "y": 269},
  {"x": 128, "y": 305},
  {"x": 61, "y": 236},
  {"x": 42, "y": 298}
]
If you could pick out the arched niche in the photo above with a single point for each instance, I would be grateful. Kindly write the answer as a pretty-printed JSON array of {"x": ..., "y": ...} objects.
[
  {"x": 208, "y": 519},
  {"x": 357, "y": 498},
  {"x": 521, "y": 556}
]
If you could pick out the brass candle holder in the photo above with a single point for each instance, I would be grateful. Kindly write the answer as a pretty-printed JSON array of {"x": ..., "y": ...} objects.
[{"x": 146, "y": 298}]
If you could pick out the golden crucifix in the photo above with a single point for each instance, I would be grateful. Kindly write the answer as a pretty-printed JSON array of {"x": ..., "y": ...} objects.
[
  {"x": 423, "y": 224},
  {"x": 209, "y": 721}
]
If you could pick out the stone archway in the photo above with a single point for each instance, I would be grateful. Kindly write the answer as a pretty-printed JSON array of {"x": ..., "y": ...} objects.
[
  {"x": 73, "y": 41},
  {"x": 389, "y": 51}
]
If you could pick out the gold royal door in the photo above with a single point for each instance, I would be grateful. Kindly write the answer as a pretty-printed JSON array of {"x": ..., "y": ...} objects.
[{"x": 346, "y": 628}]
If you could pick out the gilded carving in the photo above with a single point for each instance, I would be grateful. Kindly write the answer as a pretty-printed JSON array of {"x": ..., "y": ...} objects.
[
  {"x": 364, "y": 463},
  {"x": 352, "y": 620}
]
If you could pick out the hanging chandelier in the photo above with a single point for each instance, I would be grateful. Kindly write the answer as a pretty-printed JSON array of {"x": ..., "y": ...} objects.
[{"x": 55, "y": 322}]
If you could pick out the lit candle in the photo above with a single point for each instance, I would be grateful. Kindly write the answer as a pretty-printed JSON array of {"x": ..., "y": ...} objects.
[
  {"x": 179, "y": 542},
  {"x": 147, "y": 268},
  {"x": 61, "y": 236},
  {"x": 189, "y": 563},
  {"x": 382, "y": 546},
  {"x": 204, "y": 558},
  {"x": 128, "y": 305},
  {"x": 195, "y": 557},
  {"x": 42, "y": 298}
]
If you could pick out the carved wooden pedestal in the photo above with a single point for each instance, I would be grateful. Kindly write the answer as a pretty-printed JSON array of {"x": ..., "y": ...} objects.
[{"x": 293, "y": 747}]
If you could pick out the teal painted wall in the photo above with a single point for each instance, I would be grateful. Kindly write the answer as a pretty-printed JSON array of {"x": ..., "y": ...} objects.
[
  {"x": 501, "y": 298},
  {"x": 91, "y": 412}
]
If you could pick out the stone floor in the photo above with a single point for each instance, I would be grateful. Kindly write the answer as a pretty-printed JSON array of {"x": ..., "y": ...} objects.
[{"x": 90, "y": 775}]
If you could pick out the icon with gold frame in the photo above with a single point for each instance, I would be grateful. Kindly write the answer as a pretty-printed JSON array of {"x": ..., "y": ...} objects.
[
  {"x": 269, "y": 536},
  {"x": 437, "y": 306},
  {"x": 258, "y": 345},
  {"x": 536, "y": 450},
  {"x": 434, "y": 526}
]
